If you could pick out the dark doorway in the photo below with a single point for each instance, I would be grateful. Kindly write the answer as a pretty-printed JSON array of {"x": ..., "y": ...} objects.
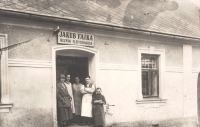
[{"x": 75, "y": 66}]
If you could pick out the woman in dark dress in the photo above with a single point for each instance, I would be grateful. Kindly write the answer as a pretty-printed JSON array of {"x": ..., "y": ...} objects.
[
  {"x": 98, "y": 110},
  {"x": 63, "y": 103}
]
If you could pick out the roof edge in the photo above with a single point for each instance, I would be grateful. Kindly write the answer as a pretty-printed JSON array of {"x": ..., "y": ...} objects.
[{"x": 54, "y": 19}]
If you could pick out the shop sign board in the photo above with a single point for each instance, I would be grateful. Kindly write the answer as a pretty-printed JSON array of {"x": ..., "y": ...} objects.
[{"x": 75, "y": 38}]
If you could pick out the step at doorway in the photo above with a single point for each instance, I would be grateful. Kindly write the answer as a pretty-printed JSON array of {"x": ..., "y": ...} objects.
[{"x": 76, "y": 125}]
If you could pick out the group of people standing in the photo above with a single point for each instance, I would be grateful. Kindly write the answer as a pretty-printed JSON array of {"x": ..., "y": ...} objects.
[{"x": 78, "y": 103}]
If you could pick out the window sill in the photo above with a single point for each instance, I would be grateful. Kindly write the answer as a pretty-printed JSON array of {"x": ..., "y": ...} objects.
[
  {"x": 153, "y": 100},
  {"x": 151, "y": 103},
  {"x": 5, "y": 108}
]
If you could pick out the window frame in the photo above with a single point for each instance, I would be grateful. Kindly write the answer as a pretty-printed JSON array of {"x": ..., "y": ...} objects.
[
  {"x": 5, "y": 105},
  {"x": 149, "y": 70},
  {"x": 161, "y": 60}
]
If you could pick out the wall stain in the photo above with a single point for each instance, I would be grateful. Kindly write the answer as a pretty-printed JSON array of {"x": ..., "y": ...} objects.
[
  {"x": 138, "y": 13},
  {"x": 199, "y": 16},
  {"x": 23, "y": 117},
  {"x": 81, "y": 9},
  {"x": 109, "y": 18},
  {"x": 180, "y": 122},
  {"x": 109, "y": 3},
  {"x": 141, "y": 13}
]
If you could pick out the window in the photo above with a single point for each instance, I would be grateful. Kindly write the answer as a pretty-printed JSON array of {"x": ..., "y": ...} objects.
[
  {"x": 5, "y": 105},
  {"x": 150, "y": 75}
]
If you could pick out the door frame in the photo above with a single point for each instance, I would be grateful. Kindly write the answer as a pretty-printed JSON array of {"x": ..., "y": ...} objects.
[{"x": 93, "y": 69}]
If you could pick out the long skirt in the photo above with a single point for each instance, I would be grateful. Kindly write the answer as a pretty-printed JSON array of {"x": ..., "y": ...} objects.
[
  {"x": 64, "y": 114},
  {"x": 77, "y": 104},
  {"x": 99, "y": 115}
]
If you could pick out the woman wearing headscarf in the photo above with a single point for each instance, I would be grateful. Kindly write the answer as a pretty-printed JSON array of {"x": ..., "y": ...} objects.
[
  {"x": 77, "y": 99},
  {"x": 64, "y": 111}
]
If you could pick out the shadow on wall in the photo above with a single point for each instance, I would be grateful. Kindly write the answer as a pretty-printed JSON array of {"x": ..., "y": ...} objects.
[
  {"x": 109, "y": 3},
  {"x": 141, "y": 13},
  {"x": 27, "y": 118},
  {"x": 41, "y": 4},
  {"x": 198, "y": 97},
  {"x": 75, "y": 8},
  {"x": 181, "y": 122},
  {"x": 199, "y": 16},
  {"x": 132, "y": 13}
]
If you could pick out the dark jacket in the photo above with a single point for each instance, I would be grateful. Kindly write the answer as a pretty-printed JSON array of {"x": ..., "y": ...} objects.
[{"x": 63, "y": 97}]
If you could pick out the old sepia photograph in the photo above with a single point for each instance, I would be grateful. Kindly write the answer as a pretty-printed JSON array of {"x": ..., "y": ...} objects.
[{"x": 99, "y": 63}]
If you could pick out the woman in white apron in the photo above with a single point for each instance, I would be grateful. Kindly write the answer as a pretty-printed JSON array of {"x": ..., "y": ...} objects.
[
  {"x": 69, "y": 87},
  {"x": 87, "y": 91}
]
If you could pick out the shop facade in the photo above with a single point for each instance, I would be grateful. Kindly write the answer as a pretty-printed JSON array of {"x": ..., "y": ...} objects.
[{"x": 150, "y": 77}]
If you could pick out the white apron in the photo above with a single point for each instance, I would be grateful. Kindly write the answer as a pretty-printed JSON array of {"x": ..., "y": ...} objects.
[
  {"x": 86, "y": 105},
  {"x": 86, "y": 109},
  {"x": 69, "y": 88}
]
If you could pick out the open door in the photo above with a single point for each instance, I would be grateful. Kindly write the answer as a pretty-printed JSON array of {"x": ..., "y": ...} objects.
[
  {"x": 75, "y": 66},
  {"x": 75, "y": 60}
]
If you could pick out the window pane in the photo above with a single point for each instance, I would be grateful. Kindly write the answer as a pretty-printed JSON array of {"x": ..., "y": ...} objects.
[
  {"x": 154, "y": 64},
  {"x": 143, "y": 63},
  {"x": 145, "y": 84},
  {"x": 154, "y": 83},
  {"x": 149, "y": 62},
  {"x": 146, "y": 63}
]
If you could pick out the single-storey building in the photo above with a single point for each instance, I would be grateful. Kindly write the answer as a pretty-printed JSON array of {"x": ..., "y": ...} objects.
[{"x": 144, "y": 54}]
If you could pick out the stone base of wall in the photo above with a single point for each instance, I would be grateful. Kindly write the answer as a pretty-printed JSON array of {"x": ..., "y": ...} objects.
[{"x": 178, "y": 122}]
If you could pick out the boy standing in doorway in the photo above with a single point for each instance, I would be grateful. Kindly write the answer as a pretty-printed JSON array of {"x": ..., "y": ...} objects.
[{"x": 98, "y": 101}]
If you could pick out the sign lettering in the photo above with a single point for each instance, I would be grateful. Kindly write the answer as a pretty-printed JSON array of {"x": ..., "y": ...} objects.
[{"x": 74, "y": 38}]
